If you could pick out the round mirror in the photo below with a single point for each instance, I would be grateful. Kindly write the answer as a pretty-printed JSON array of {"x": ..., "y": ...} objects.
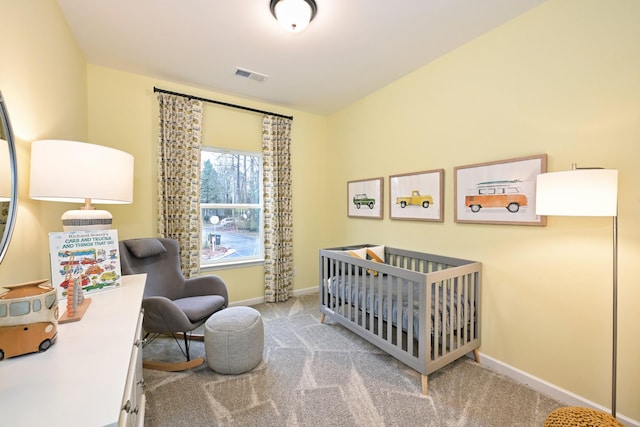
[{"x": 8, "y": 179}]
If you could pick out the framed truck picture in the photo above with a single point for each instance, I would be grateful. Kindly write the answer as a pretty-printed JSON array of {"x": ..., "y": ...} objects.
[
  {"x": 364, "y": 198},
  {"x": 417, "y": 196},
  {"x": 500, "y": 192}
]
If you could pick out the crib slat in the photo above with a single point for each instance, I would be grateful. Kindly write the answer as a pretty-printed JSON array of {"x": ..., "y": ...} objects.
[
  {"x": 371, "y": 301},
  {"x": 467, "y": 309},
  {"x": 398, "y": 297},
  {"x": 345, "y": 274},
  {"x": 462, "y": 312},
  {"x": 363, "y": 308},
  {"x": 389, "y": 309},
  {"x": 451, "y": 299},
  {"x": 443, "y": 318},
  {"x": 355, "y": 290},
  {"x": 436, "y": 316},
  {"x": 410, "y": 290},
  {"x": 474, "y": 308},
  {"x": 380, "y": 308}
]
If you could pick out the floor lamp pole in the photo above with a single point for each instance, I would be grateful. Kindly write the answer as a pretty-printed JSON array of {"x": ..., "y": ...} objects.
[{"x": 615, "y": 316}]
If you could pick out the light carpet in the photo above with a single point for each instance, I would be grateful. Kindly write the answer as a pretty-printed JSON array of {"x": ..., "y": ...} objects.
[{"x": 315, "y": 374}]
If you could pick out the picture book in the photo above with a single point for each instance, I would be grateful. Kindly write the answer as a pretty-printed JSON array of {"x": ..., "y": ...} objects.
[{"x": 91, "y": 257}]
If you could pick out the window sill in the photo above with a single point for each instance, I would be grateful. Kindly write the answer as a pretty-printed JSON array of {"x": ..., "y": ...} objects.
[{"x": 231, "y": 264}]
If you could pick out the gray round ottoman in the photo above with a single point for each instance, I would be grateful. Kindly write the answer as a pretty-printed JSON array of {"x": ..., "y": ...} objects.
[{"x": 234, "y": 340}]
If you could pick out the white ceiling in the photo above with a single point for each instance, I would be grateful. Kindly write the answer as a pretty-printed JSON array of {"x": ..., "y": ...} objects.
[{"x": 351, "y": 48}]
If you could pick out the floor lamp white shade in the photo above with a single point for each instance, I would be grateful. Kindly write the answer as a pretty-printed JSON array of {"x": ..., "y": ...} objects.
[
  {"x": 78, "y": 172},
  {"x": 578, "y": 192},
  {"x": 586, "y": 192}
]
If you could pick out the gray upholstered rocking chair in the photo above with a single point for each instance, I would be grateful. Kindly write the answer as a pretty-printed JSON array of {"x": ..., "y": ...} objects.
[{"x": 172, "y": 304}]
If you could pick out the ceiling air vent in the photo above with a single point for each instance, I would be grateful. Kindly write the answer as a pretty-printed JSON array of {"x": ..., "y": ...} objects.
[{"x": 241, "y": 72}]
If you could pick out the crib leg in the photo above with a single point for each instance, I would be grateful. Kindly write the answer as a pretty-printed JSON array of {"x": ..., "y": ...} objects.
[
  {"x": 476, "y": 355},
  {"x": 424, "y": 384},
  {"x": 321, "y": 317}
]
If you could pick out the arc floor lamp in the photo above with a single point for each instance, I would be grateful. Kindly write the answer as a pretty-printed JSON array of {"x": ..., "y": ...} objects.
[{"x": 585, "y": 192}]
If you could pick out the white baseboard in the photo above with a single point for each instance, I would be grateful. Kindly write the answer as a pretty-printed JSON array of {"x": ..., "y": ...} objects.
[
  {"x": 553, "y": 391},
  {"x": 260, "y": 300},
  {"x": 306, "y": 291}
]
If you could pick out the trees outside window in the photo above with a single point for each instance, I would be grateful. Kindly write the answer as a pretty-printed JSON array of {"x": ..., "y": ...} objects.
[{"x": 231, "y": 205}]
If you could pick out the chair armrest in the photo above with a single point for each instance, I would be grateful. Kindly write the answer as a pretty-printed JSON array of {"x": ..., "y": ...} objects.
[
  {"x": 162, "y": 315},
  {"x": 206, "y": 285}
]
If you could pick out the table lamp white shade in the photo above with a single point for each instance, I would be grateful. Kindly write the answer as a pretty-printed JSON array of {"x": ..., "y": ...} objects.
[
  {"x": 5, "y": 172},
  {"x": 578, "y": 192},
  {"x": 78, "y": 172}
]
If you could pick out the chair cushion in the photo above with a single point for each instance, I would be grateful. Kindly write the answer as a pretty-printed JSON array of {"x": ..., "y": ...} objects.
[
  {"x": 200, "y": 307},
  {"x": 143, "y": 248}
]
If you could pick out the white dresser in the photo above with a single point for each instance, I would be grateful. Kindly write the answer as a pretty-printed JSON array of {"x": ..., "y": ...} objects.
[{"x": 91, "y": 376}]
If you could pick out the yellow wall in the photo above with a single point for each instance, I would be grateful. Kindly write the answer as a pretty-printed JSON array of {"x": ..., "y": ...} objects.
[
  {"x": 43, "y": 80},
  {"x": 124, "y": 114},
  {"x": 563, "y": 80}
]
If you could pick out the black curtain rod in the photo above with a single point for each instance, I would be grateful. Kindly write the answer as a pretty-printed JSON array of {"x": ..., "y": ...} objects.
[{"x": 226, "y": 104}]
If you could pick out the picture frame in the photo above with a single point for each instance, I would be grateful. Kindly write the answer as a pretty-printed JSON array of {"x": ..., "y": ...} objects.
[
  {"x": 417, "y": 196},
  {"x": 365, "y": 198},
  {"x": 499, "y": 192}
]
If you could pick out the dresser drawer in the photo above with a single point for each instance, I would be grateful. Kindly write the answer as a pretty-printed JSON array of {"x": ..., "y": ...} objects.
[{"x": 133, "y": 401}]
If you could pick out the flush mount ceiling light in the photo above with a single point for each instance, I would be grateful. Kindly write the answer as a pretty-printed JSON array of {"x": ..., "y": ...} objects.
[{"x": 294, "y": 15}]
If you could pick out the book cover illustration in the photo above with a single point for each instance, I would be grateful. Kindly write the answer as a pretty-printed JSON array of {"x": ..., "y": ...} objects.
[{"x": 90, "y": 256}]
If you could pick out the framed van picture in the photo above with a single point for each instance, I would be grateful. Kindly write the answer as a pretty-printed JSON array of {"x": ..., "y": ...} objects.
[
  {"x": 500, "y": 192},
  {"x": 364, "y": 198},
  {"x": 417, "y": 196}
]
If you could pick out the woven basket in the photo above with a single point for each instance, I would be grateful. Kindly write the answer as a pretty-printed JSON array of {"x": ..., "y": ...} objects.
[{"x": 573, "y": 416}]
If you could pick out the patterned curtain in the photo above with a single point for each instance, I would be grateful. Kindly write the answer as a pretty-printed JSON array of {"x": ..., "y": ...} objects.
[
  {"x": 278, "y": 212},
  {"x": 180, "y": 139}
]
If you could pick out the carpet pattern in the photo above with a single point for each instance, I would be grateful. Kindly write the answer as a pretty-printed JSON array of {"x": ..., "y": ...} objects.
[{"x": 316, "y": 374}]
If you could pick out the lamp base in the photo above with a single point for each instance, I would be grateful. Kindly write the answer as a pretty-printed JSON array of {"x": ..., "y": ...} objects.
[{"x": 86, "y": 219}]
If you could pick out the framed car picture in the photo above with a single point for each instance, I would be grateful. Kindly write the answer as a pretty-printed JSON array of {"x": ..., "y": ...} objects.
[
  {"x": 364, "y": 198},
  {"x": 417, "y": 196},
  {"x": 500, "y": 192}
]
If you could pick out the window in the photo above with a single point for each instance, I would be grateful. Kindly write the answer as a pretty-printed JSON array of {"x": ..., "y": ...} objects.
[
  {"x": 231, "y": 207},
  {"x": 19, "y": 308}
]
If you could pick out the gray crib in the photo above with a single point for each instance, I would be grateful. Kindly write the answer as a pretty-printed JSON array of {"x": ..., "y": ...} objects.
[{"x": 420, "y": 308}]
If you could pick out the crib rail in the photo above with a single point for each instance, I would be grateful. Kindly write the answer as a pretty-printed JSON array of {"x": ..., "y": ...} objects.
[{"x": 376, "y": 301}]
